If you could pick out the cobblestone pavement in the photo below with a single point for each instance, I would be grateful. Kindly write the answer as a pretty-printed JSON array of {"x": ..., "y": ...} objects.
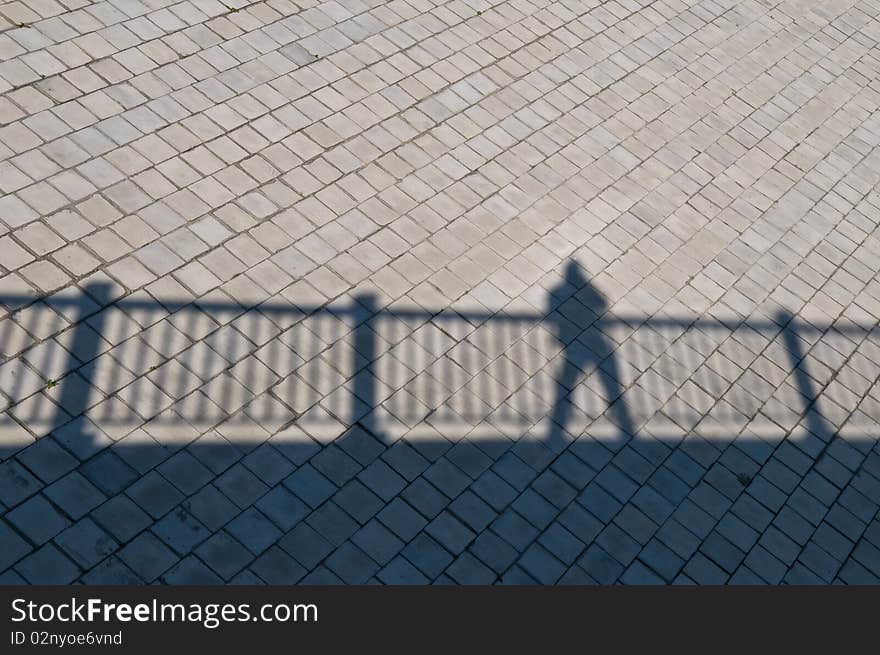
[{"x": 439, "y": 291}]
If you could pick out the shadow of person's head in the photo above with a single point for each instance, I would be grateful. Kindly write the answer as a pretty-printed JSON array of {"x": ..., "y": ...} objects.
[{"x": 583, "y": 290}]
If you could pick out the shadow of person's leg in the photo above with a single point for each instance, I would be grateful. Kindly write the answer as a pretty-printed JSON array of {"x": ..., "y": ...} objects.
[
  {"x": 610, "y": 378},
  {"x": 561, "y": 413}
]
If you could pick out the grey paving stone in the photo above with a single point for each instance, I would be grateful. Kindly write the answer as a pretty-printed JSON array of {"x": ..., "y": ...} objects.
[
  {"x": 427, "y": 555},
  {"x": 109, "y": 473},
  {"x": 616, "y": 483},
  {"x": 678, "y": 538},
  {"x": 86, "y": 543},
  {"x": 254, "y": 530},
  {"x": 154, "y": 494},
  {"x": 599, "y": 502},
  {"x": 751, "y": 512},
  {"x": 858, "y": 504},
  {"x": 361, "y": 445},
  {"x": 541, "y": 565},
  {"x": 448, "y": 478},
  {"x": 223, "y": 554},
  {"x": 351, "y": 564},
  {"x": 722, "y": 552},
  {"x": 493, "y": 551},
  {"x": 737, "y": 532},
  {"x": 694, "y": 518},
  {"x": 635, "y": 524},
  {"x": 600, "y": 566},
  {"x": 379, "y": 543},
  {"x": 185, "y": 472},
  {"x": 191, "y": 571},
  {"x": 147, "y": 556},
  {"x": 283, "y": 508},
  {"x": 709, "y": 500},
  {"x": 405, "y": 460},
  {"x": 382, "y": 480},
  {"x": 241, "y": 486},
  {"x": 574, "y": 471},
  {"x": 661, "y": 560},
  {"x": 468, "y": 458},
  {"x": 10, "y": 577},
  {"x": 554, "y": 488},
  {"x": 248, "y": 578},
  {"x": 277, "y": 567},
  {"x": 653, "y": 505},
  {"x": 832, "y": 542},
  {"x": 306, "y": 545},
  {"x": 868, "y": 556},
  {"x": 211, "y": 507},
  {"x": 703, "y": 571},
  {"x": 358, "y": 501},
  {"x": 268, "y": 464},
  {"x": 580, "y": 523},
  {"x": 801, "y": 575},
  {"x": 75, "y": 495},
  {"x": 335, "y": 465},
  {"x": 745, "y": 576},
  {"x": 845, "y": 522},
  {"x": 514, "y": 529},
  {"x": 514, "y": 471},
  {"x": 517, "y": 576},
  {"x": 639, "y": 574},
  {"x": 111, "y": 571},
  {"x": 14, "y": 546},
  {"x": 47, "y": 460},
  {"x": 561, "y": 543},
  {"x": 425, "y": 498},
  {"x": 16, "y": 483},
  {"x": 468, "y": 570},
  {"x": 310, "y": 485},
  {"x": 48, "y": 565},
  {"x": 332, "y": 523},
  {"x": 121, "y": 517},
  {"x": 475, "y": 513},
  {"x": 793, "y": 525},
  {"x": 180, "y": 530},
  {"x": 450, "y": 532},
  {"x": 617, "y": 542},
  {"x": 576, "y": 576},
  {"x": 854, "y": 573},
  {"x": 535, "y": 509},
  {"x": 37, "y": 519},
  {"x": 400, "y": 572}
]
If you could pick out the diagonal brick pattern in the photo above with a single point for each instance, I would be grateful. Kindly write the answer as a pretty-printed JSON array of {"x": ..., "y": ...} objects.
[{"x": 422, "y": 292}]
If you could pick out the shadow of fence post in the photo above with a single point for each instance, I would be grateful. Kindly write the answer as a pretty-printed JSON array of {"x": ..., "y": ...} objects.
[
  {"x": 813, "y": 419},
  {"x": 85, "y": 345},
  {"x": 363, "y": 400}
]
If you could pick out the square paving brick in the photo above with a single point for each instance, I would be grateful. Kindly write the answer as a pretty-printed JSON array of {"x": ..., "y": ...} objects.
[
  {"x": 37, "y": 519},
  {"x": 48, "y": 565}
]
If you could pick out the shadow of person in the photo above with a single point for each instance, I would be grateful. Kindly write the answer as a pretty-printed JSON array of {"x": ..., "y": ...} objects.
[{"x": 588, "y": 352}]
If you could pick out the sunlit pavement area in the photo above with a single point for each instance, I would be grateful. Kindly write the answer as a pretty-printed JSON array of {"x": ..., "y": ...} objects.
[{"x": 439, "y": 292}]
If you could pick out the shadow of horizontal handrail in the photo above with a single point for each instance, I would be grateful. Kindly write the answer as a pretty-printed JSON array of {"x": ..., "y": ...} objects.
[{"x": 275, "y": 307}]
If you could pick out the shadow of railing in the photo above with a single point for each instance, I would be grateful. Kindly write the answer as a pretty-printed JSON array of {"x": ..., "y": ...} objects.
[{"x": 314, "y": 373}]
